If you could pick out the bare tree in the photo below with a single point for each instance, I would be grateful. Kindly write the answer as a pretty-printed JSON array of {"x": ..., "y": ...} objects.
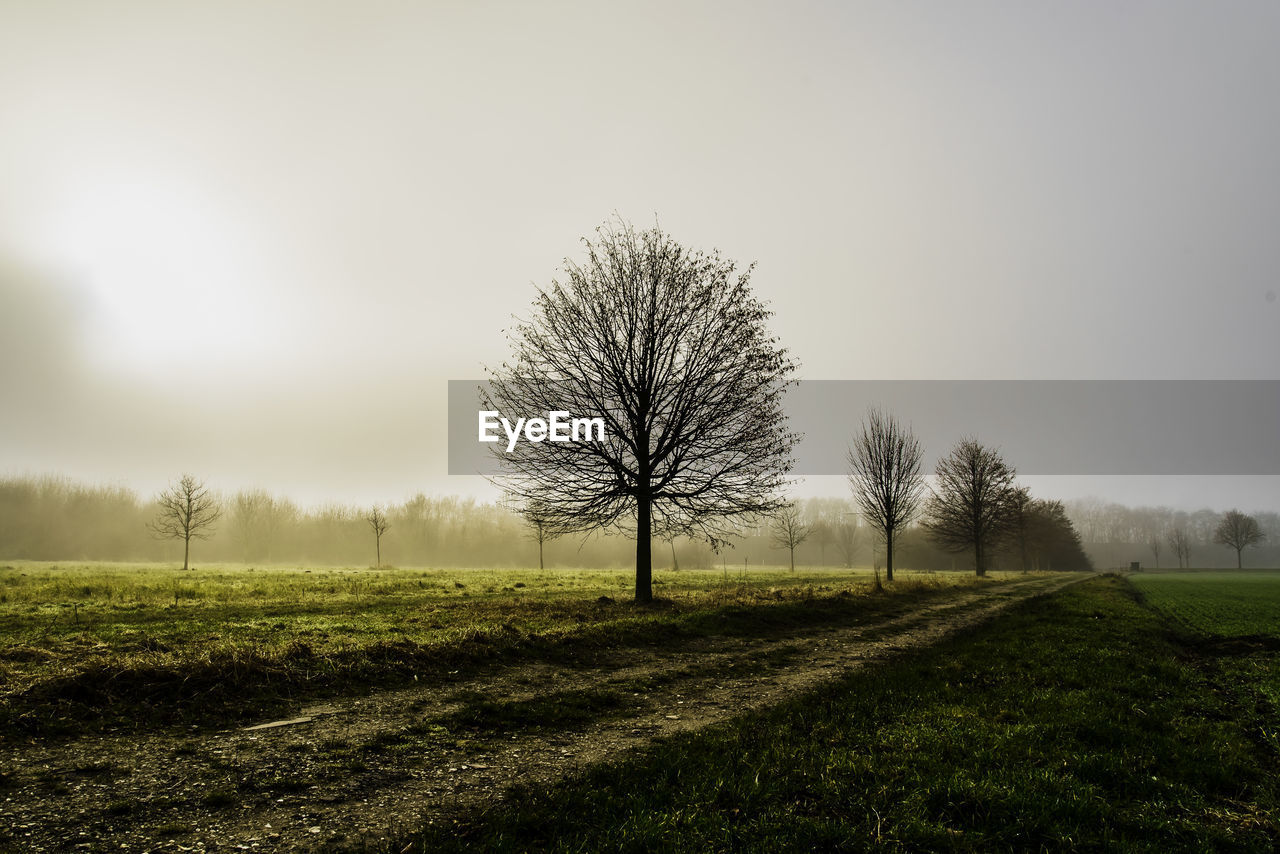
[
  {"x": 1239, "y": 532},
  {"x": 540, "y": 530},
  {"x": 973, "y": 504},
  {"x": 1180, "y": 542},
  {"x": 846, "y": 535},
  {"x": 377, "y": 520},
  {"x": 884, "y": 471},
  {"x": 789, "y": 531},
  {"x": 187, "y": 509},
  {"x": 669, "y": 349},
  {"x": 1154, "y": 544}
]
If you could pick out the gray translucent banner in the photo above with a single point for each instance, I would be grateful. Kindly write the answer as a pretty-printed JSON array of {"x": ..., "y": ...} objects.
[{"x": 1041, "y": 427}]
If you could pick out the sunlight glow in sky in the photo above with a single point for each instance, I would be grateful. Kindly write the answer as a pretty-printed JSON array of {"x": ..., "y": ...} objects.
[{"x": 256, "y": 240}]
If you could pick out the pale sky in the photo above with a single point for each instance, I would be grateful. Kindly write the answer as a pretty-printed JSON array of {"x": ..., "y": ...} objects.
[{"x": 254, "y": 240}]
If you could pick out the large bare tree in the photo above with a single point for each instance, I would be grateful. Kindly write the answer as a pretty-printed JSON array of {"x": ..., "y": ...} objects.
[
  {"x": 1239, "y": 532},
  {"x": 789, "y": 530},
  {"x": 669, "y": 348},
  {"x": 884, "y": 472},
  {"x": 973, "y": 503},
  {"x": 187, "y": 509}
]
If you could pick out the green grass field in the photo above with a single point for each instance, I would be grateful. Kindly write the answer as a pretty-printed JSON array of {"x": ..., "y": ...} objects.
[
  {"x": 1078, "y": 722},
  {"x": 76, "y": 639},
  {"x": 1136, "y": 713},
  {"x": 1230, "y": 604}
]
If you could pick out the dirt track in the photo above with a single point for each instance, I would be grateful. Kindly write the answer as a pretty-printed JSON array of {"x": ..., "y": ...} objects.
[{"x": 372, "y": 767}]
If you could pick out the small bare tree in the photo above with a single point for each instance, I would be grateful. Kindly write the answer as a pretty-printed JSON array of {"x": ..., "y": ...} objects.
[
  {"x": 1154, "y": 544},
  {"x": 974, "y": 503},
  {"x": 1239, "y": 532},
  {"x": 884, "y": 471},
  {"x": 187, "y": 509},
  {"x": 540, "y": 530},
  {"x": 1180, "y": 542},
  {"x": 789, "y": 530},
  {"x": 377, "y": 520}
]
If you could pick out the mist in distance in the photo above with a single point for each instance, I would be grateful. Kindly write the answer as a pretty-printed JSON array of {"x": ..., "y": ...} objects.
[{"x": 256, "y": 244}]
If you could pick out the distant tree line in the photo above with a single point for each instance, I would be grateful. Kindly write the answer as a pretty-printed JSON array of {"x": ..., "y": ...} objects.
[
  {"x": 1117, "y": 534},
  {"x": 54, "y": 518}
]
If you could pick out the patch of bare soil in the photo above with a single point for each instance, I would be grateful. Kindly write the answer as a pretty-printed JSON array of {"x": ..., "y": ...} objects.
[{"x": 370, "y": 768}]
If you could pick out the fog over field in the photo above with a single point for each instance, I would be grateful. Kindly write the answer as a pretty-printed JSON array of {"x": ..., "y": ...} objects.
[{"x": 255, "y": 241}]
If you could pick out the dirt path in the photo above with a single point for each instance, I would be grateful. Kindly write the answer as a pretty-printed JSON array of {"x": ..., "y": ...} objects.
[{"x": 361, "y": 769}]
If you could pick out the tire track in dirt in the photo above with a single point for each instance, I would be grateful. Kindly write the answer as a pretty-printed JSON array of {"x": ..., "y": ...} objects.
[{"x": 362, "y": 769}]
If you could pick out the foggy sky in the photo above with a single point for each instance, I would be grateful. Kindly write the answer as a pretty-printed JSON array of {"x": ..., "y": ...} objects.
[{"x": 254, "y": 240}]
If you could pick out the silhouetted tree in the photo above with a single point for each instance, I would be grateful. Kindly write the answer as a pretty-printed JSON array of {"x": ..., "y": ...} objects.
[
  {"x": 669, "y": 347},
  {"x": 973, "y": 504},
  {"x": 377, "y": 520},
  {"x": 884, "y": 471},
  {"x": 187, "y": 509},
  {"x": 1180, "y": 542},
  {"x": 788, "y": 531},
  {"x": 1239, "y": 532},
  {"x": 1023, "y": 525},
  {"x": 539, "y": 528},
  {"x": 1050, "y": 540}
]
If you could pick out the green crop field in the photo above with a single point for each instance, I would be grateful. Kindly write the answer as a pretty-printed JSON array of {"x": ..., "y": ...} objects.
[{"x": 1227, "y": 604}]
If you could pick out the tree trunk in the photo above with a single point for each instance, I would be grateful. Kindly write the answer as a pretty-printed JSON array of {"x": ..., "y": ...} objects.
[
  {"x": 377, "y": 546},
  {"x": 186, "y": 552},
  {"x": 793, "y": 558},
  {"x": 644, "y": 551},
  {"x": 888, "y": 557},
  {"x": 1239, "y": 563},
  {"x": 675, "y": 564},
  {"x": 977, "y": 559},
  {"x": 540, "y": 566}
]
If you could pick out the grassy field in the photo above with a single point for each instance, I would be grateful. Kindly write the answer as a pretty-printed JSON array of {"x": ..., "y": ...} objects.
[
  {"x": 154, "y": 643},
  {"x": 1229, "y": 604},
  {"x": 1082, "y": 721},
  {"x": 1124, "y": 713}
]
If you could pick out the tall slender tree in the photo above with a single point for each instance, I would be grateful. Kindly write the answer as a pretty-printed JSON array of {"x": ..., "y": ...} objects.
[
  {"x": 669, "y": 348},
  {"x": 1180, "y": 541},
  {"x": 540, "y": 530},
  {"x": 884, "y": 472},
  {"x": 378, "y": 523}
]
